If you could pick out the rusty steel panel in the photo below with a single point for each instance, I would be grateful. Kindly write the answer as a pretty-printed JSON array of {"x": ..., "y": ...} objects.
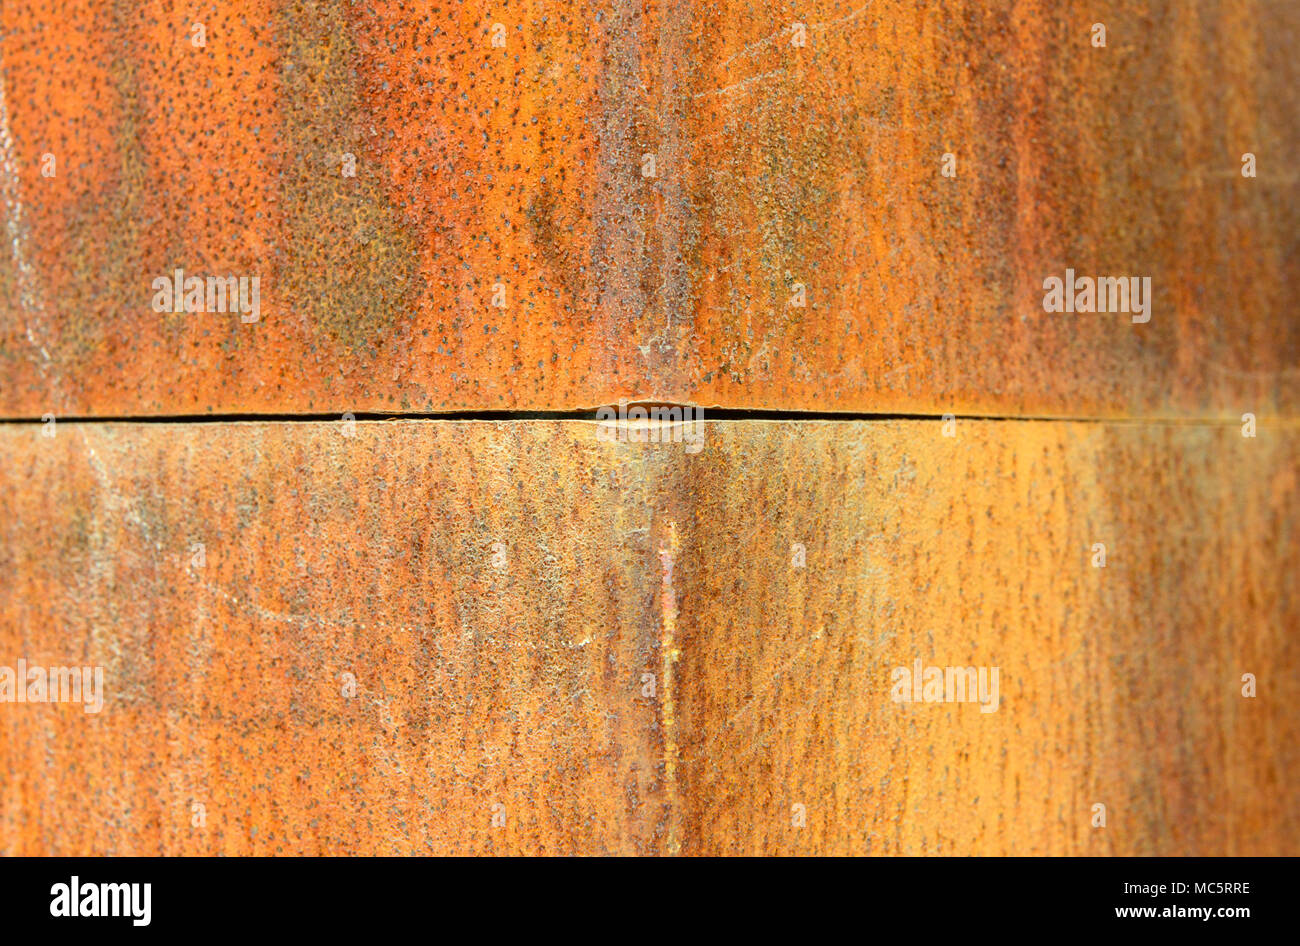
[
  {"x": 1119, "y": 685},
  {"x": 505, "y": 242},
  {"x": 482, "y": 584},
  {"x": 639, "y": 647}
]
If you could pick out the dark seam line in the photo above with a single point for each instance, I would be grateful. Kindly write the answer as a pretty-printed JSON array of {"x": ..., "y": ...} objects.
[{"x": 701, "y": 413}]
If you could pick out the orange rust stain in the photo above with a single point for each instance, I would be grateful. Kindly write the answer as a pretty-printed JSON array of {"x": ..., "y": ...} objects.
[
  {"x": 515, "y": 173},
  {"x": 498, "y": 590},
  {"x": 490, "y": 614},
  {"x": 433, "y": 637},
  {"x": 1118, "y": 685}
]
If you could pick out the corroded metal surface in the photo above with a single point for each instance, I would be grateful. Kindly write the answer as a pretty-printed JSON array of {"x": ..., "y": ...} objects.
[
  {"x": 484, "y": 674},
  {"x": 1119, "y": 686},
  {"x": 644, "y": 663},
  {"x": 517, "y": 174}
]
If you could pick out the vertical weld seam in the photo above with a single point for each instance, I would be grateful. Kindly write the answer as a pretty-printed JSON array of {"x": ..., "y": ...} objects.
[{"x": 669, "y": 654}]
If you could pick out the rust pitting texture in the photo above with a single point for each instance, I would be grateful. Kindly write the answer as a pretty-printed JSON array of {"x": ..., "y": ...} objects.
[
  {"x": 516, "y": 173},
  {"x": 1119, "y": 685},
  {"x": 519, "y": 637},
  {"x": 482, "y": 584},
  {"x": 500, "y": 592}
]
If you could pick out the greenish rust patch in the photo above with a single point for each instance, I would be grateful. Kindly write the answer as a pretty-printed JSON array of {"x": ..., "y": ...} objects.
[{"x": 350, "y": 258}]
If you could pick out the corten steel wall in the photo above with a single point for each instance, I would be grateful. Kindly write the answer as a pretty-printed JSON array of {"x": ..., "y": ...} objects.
[
  {"x": 774, "y": 165},
  {"x": 499, "y": 590},
  {"x": 562, "y": 644}
]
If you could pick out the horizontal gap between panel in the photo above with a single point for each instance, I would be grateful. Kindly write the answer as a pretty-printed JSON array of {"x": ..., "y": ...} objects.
[{"x": 706, "y": 414}]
